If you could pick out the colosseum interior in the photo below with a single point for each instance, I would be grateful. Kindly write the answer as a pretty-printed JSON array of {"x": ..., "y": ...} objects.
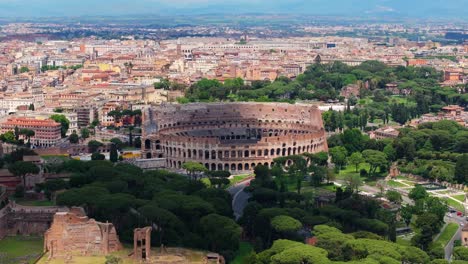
[{"x": 231, "y": 136}]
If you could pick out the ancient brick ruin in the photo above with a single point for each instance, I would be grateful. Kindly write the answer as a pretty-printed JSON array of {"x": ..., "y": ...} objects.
[
  {"x": 231, "y": 136},
  {"x": 26, "y": 220},
  {"x": 142, "y": 243},
  {"x": 73, "y": 233}
]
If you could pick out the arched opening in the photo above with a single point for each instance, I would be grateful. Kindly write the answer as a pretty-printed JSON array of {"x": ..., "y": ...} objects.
[
  {"x": 289, "y": 151},
  {"x": 213, "y": 154},
  {"x": 246, "y": 154},
  {"x": 272, "y": 152},
  {"x": 179, "y": 165},
  {"x": 207, "y": 154},
  {"x": 160, "y": 155},
  {"x": 213, "y": 167},
  {"x": 233, "y": 167},
  {"x": 278, "y": 152},
  {"x": 148, "y": 155},
  {"x": 147, "y": 144},
  {"x": 239, "y": 167},
  {"x": 220, "y": 167},
  {"x": 284, "y": 152},
  {"x": 247, "y": 166},
  {"x": 207, "y": 166},
  {"x": 226, "y": 167}
]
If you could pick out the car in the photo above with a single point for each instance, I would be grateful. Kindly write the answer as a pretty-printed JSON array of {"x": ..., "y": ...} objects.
[{"x": 459, "y": 214}]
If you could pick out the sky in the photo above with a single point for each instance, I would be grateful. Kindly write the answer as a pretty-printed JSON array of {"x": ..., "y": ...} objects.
[{"x": 457, "y": 9}]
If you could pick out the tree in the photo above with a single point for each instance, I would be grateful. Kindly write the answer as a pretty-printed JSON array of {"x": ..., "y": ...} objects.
[
  {"x": 460, "y": 253},
  {"x": 23, "y": 168},
  {"x": 64, "y": 123},
  {"x": 97, "y": 156},
  {"x": 355, "y": 159},
  {"x": 8, "y": 137},
  {"x": 338, "y": 155},
  {"x": 24, "y": 69},
  {"x": 31, "y": 107},
  {"x": 221, "y": 233},
  {"x": 393, "y": 196},
  {"x": 117, "y": 142},
  {"x": 418, "y": 193},
  {"x": 28, "y": 133},
  {"x": 461, "y": 169},
  {"x": 406, "y": 214},
  {"x": 94, "y": 145},
  {"x": 285, "y": 224},
  {"x": 164, "y": 220},
  {"x": 353, "y": 181},
  {"x": 84, "y": 133},
  {"x": 194, "y": 168},
  {"x": 376, "y": 159},
  {"x": 73, "y": 138},
  {"x": 114, "y": 155}
]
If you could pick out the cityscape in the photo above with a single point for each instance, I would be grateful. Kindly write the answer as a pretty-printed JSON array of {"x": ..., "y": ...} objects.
[{"x": 248, "y": 132}]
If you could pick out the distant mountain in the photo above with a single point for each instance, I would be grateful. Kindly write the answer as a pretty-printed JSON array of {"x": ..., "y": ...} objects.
[{"x": 456, "y": 9}]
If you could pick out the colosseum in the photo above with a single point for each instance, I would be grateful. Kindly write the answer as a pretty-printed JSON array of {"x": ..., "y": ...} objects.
[{"x": 231, "y": 136}]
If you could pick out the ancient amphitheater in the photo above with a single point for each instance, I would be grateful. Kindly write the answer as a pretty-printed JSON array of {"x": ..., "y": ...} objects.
[{"x": 231, "y": 136}]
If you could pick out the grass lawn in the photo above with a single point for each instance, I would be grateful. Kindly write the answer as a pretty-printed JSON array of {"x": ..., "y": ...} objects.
[
  {"x": 238, "y": 178},
  {"x": 395, "y": 184},
  {"x": 53, "y": 157},
  {"x": 22, "y": 201},
  {"x": 350, "y": 170},
  {"x": 458, "y": 206},
  {"x": 410, "y": 183},
  {"x": 20, "y": 249},
  {"x": 460, "y": 197},
  {"x": 403, "y": 241},
  {"x": 244, "y": 250},
  {"x": 447, "y": 234}
]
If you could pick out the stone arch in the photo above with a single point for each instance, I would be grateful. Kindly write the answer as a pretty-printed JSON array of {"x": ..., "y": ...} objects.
[
  {"x": 213, "y": 154},
  {"x": 247, "y": 166},
  {"x": 220, "y": 167},
  {"x": 233, "y": 167},
  {"x": 272, "y": 152},
  {"x": 148, "y": 155},
  {"x": 289, "y": 151},
  {"x": 239, "y": 167},
  {"x": 246, "y": 153},
  {"x": 213, "y": 166},
  {"x": 179, "y": 164},
  {"x": 207, "y": 166},
  {"x": 147, "y": 144},
  {"x": 226, "y": 167}
]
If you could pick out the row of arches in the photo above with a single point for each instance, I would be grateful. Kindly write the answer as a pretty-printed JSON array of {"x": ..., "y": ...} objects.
[
  {"x": 200, "y": 154},
  {"x": 222, "y": 166}
]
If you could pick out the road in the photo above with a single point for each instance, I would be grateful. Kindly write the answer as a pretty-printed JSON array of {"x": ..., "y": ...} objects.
[
  {"x": 460, "y": 220},
  {"x": 240, "y": 198}
]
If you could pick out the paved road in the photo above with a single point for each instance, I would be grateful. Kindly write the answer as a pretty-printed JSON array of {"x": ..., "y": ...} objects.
[
  {"x": 460, "y": 220},
  {"x": 240, "y": 198}
]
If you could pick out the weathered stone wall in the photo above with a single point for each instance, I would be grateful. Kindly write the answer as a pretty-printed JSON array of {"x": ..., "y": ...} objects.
[
  {"x": 23, "y": 220},
  {"x": 231, "y": 136},
  {"x": 73, "y": 233}
]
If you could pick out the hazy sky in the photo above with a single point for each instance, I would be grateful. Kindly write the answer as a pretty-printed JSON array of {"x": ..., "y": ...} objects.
[{"x": 408, "y": 8}]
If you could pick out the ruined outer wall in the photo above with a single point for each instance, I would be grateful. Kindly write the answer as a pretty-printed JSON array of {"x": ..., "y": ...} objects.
[{"x": 77, "y": 234}]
